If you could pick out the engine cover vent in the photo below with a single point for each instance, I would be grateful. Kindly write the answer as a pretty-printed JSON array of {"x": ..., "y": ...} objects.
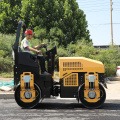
[
  {"x": 64, "y": 69},
  {"x": 71, "y": 80},
  {"x": 72, "y": 66}
]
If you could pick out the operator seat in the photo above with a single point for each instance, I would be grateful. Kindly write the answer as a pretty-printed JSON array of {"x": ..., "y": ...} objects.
[{"x": 19, "y": 49}]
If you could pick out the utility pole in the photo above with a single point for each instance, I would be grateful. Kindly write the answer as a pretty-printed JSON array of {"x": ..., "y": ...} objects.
[{"x": 111, "y": 9}]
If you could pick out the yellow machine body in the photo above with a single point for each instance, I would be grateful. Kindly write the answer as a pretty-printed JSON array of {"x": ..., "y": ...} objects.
[
  {"x": 69, "y": 67},
  {"x": 79, "y": 64},
  {"x": 23, "y": 88},
  {"x": 96, "y": 88}
]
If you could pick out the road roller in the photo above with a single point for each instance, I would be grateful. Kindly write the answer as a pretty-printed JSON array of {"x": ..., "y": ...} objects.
[{"x": 79, "y": 77}]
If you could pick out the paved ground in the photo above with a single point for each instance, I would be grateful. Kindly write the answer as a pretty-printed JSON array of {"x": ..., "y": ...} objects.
[
  {"x": 67, "y": 109},
  {"x": 51, "y": 109},
  {"x": 113, "y": 91}
]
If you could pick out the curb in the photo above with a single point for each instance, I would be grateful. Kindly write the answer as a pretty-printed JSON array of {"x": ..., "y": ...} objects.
[{"x": 7, "y": 96}]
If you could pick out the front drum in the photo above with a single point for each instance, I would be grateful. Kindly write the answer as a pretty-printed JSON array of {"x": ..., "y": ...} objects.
[{"x": 27, "y": 95}]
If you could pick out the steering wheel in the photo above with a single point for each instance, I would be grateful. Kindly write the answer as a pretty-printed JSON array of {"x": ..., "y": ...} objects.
[{"x": 43, "y": 46}]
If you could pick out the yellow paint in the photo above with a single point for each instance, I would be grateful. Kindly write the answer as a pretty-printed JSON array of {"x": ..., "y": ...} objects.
[
  {"x": 53, "y": 75},
  {"x": 23, "y": 90},
  {"x": 27, "y": 100},
  {"x": 71, "y": 80},
  {"x": 79, "y": 64},
  {"x": 95, "y": 89},
  {"x": 92, "y": 100},
  {"x": 86, "y": 81},
  {"x": 32, "y": 82},
  {"x": 96, "y": 83}
]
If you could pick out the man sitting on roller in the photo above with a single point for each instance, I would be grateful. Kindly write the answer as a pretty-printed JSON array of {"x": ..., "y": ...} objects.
[{"x": 26, "y": 46}]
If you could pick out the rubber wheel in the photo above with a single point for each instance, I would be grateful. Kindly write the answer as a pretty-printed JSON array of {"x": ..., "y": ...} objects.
[
  {"x": 92, "y": 105},
  {"x": 27, "y": 105}
]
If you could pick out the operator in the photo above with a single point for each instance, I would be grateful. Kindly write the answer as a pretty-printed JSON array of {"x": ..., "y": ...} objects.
[{"x": 26, "y": 46}]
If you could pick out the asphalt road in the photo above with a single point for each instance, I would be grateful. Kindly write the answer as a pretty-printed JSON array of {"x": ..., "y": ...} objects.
[{"x": 52, "y": 109}]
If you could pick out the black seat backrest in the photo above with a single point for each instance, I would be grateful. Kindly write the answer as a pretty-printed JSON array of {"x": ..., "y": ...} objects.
[
  {"x": 19, "y": 49},
  {"x": 28, "y": 59}
]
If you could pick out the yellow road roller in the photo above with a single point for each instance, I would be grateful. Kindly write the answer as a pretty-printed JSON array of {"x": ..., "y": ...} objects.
[{"x": 80, "y": 78}]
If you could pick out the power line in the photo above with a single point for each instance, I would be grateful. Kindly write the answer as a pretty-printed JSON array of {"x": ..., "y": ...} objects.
[
  {"x": 116, "y": 5},
  {"x": 116, "y": 23},
  {"x": 104, "y": 24},
  {"x": 96, "y": 6},
  {"x": 96, "y": 1},
  {"x": 117, "y": 10},
  {"x": 116, "y": 2},
  {"x": 91, "y": 11},
  {"x": 102, "y": 7},
  {"x": 84, "y": 5},
  {"x": 92, "y": 6},
  {"x": 96, "y": 9},
  {"x": 91, "y": 1}
]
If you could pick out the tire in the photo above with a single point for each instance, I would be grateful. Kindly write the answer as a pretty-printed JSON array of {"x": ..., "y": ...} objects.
[
  {"x": 92, "y": 105},
  {"x": 27, "y": 105}
]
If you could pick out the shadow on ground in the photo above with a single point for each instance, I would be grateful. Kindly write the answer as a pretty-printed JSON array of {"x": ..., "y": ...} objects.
[
  {"x": 113, "y": 78},
  {"x": 53, "y": 106}
]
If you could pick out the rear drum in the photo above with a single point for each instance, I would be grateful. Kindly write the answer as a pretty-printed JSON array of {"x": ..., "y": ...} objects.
[{"x": 92, "y": 105}]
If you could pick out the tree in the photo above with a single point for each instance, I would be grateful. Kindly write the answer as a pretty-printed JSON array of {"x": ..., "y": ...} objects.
[
  {"x": 56, "y": 34},
  {"x": 62, "y": 20},
  {"x": 9, "y": 13},
  {"x": 64, "y": 16}
]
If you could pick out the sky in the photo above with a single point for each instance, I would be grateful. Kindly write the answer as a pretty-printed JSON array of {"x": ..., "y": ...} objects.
[{"x": 99, "y": 22}]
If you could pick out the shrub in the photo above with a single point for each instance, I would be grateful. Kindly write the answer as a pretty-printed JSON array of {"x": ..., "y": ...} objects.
[
  {"x": 61, "y": 52},
  {"x": 6, "y": 42},
  {"x": 6, "y": 64},
  {"x": 109, "y": 57}
]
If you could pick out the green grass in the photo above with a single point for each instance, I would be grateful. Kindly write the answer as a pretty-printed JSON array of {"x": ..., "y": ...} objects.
[{"x": 7, "y": 75}]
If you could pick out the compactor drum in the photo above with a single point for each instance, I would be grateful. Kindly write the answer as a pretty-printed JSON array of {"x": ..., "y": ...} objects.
[
  {"x": 27, "y": 94},
  {"x": 80, "y": 78}
]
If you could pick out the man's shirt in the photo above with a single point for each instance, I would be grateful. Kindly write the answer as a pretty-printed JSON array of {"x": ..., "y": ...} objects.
[{"x": 24, "y": 44}]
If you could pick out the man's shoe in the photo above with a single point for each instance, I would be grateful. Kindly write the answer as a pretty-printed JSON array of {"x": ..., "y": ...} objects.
[{"x": 45, "y": 73}]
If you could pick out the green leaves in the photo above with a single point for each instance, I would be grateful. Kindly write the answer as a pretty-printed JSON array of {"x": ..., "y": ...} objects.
[
  {"x": 63, "y": 15},
  {"x": 6, "y": 42},
  {"x": 40, "y": 33},
  {"x": 56, "y": 34},
  {"x": 9, "y": 13},
  {"x": 109, "y": 57}
]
